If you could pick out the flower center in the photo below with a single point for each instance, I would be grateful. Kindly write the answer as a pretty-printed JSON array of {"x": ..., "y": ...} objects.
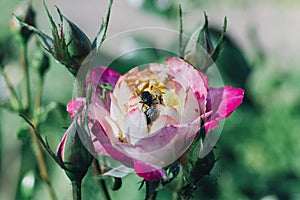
[
  {"x": 156, "y": 94},
  {"x": 153, "y": 88},
  {"x": 150, "y": 94}
]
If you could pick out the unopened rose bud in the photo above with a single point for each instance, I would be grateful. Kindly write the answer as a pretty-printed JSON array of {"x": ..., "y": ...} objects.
[
  {"x": 68, "y": 45},
  {"x": 24, "y": 12},
  {"x": 73, "y": 154},
  {"x": 73, "y": 40},
  {"x": 202, "y": 53}
]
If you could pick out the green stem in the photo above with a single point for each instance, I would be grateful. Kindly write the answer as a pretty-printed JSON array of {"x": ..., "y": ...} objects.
[
  {"x": 38, "y": 94},
  {"x": 27, "y": 112},
  {"x": 175, "y": 195},
  {"x": 25, "y": 72},
  {"x": 181, "y": 48},
  {"x": 42, "y": 164},
  {"x": 153, "y": 196},
  {"x": 76, "y": 188},
  {"x": 97, "y": 172},
  {"x": 15, "y": 102}
]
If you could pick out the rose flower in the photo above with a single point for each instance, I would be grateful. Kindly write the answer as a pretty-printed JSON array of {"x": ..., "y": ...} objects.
[{"x": 147, "y": 118}]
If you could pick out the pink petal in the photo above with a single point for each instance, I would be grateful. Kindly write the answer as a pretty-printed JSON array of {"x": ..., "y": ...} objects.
[
  {"x": 61, "y": 146},
  {"x": 99, "y": 76},
  {"x": 165, "y": 146},
  {"x": 104, "y": 140},
  {"x": 149, "y": 172},
  {"x": 222, "y": 102},
  {"x": 189, "y": 76},
  {"x": 74, "y": 105},
  {"x": 211, "y": 124}
]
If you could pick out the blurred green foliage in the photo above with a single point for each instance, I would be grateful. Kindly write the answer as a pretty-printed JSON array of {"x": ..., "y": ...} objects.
[{"x": 257, "y": 151}]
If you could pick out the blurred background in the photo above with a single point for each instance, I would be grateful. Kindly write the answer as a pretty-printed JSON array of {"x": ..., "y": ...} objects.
[{"x": 259, "y": 149}]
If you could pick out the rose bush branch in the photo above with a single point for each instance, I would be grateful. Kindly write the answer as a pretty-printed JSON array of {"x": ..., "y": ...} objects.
[
  {"x": 71, "y": 156},
  {"x": 97, "y": 172},
  {"x": 69, "y": 46},
  {"x": 24, "y": 12},
  {"x": 25, "y": 72},
  {"x": 15, "y": 103}
]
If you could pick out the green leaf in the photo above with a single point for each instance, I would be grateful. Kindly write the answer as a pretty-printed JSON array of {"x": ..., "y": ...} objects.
[
  {"x": 195, "y": 168},
  {"x": 23, "y": 134},
  {"x": 194, "y": 172}
]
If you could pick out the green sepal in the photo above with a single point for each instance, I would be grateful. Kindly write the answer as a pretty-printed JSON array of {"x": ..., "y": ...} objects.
[
  {"x": 48, "y": 42},
  {"x": 172, "y": 172},
  {"x": 151, "y": 187},
  {"x": 25, "y": 12},
  {"x": 204, "y": 38},
  {"x": 220, "y": 43},
  {"x": 103, "y": 29},
  {"x": 74, "y": 40},
  {"x": 73, "y": 154}
]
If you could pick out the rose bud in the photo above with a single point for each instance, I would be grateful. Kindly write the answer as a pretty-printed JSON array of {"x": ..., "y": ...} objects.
[
  {"x": 24, "y": 12},
  {"x": 68, "y": 45},
  {"x": 202, "y": 52},
  {"x": 71, "y": 45},
  {"x": 73, "y": 154}
]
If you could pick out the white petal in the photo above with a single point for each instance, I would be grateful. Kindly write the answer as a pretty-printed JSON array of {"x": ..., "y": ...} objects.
[
  {"x": 170, "y": 111},
  {"x": 122, "y": 93},
  {"x": 116, "y": 113},
  {"x": 191, "y": 109},
  {"x": 119, "y": 172},
  {"x": 135, "y": 125},
  {"x": 162, "y": 121}
]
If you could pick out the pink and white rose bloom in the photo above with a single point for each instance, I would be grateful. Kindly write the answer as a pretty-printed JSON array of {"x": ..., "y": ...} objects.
[{"x": 149, "y": 117}]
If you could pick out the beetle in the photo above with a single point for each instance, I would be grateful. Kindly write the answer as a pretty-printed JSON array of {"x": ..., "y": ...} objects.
[
  {"x": 146, "y": 97},
  {"x": 150, "y": 110},
  {"x": 151, "y": 114}
]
